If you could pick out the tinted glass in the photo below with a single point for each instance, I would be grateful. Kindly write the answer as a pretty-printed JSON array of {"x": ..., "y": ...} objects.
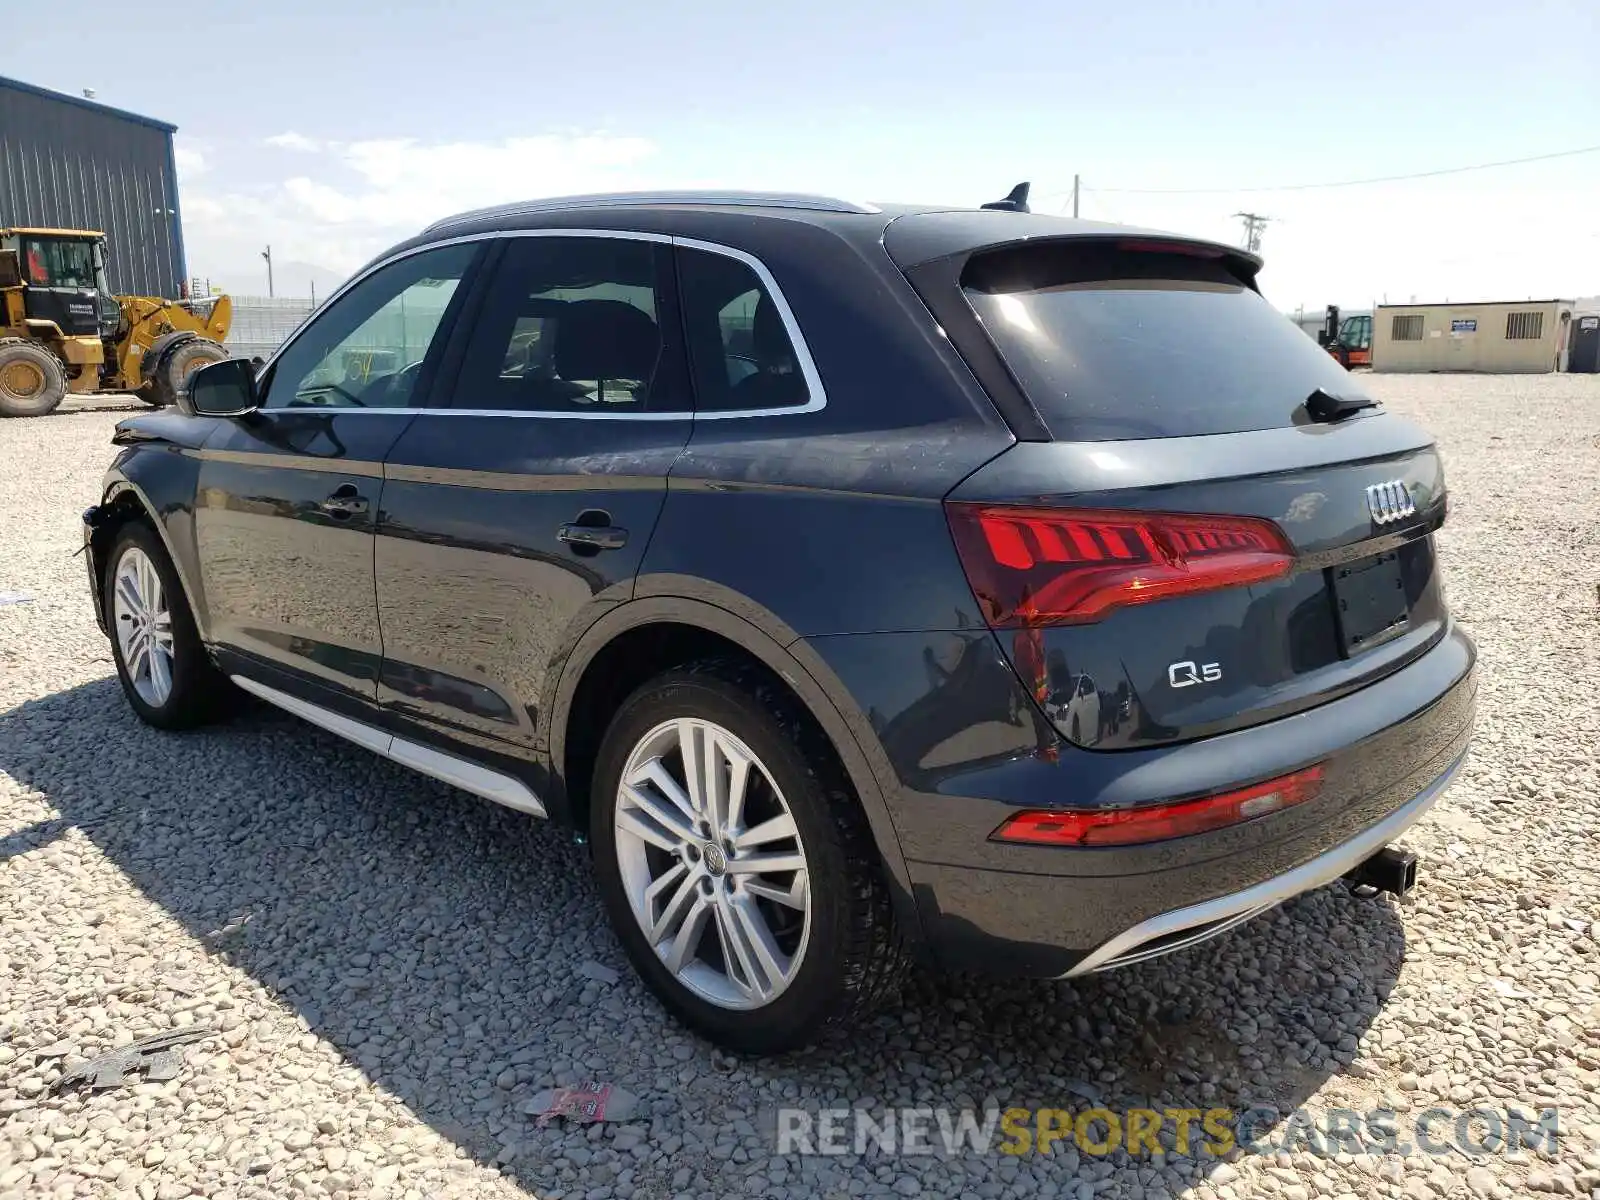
[
  {"x": 1111, "y": 342},
  {"x": 572, "y": 325},
  {"x": 366, "y": 349},
  {"x": 739, "y": 346}
]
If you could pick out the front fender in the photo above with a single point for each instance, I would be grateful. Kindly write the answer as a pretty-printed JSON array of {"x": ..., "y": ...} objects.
[
  {"x": 158, "y": 483},
  {"x": 767, "y": 639}
]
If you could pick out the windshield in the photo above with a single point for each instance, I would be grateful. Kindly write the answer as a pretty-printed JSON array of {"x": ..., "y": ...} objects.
[
  {"x": 1113, "y": 341},
  {"x": 58, "y": 262}
]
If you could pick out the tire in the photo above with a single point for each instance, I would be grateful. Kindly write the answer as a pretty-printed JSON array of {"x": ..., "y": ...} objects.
[
  {"x": 190, "y": 691},
  {"x": 841, "y": 948},
  {"x": 32, "y": 379},
  {"x": 176, "y": 365}
]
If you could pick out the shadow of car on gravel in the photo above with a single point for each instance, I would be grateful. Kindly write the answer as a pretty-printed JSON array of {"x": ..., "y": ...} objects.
[{"x": 435, "y": 941}]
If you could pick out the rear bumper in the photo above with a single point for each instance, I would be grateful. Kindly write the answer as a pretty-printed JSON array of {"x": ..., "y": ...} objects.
[
  {"x": 968, "y": 754},
  {"x": 1184, "y": 927}
]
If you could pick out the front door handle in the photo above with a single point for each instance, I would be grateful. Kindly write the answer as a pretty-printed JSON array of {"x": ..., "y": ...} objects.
[
  {"x": 345, "y": 503},
  {"x": 594, "y": 537}
]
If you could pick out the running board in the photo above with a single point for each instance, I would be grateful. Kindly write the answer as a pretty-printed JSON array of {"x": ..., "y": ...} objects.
[{"x": 448, "y": 768}]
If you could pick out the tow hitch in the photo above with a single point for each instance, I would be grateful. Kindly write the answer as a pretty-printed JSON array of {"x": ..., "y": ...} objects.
[{"x": 1389, "y": 870}]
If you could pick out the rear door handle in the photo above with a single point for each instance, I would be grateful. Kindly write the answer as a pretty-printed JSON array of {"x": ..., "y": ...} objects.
[
  {"x": 345, "y": 502},
  {"x": 594, "y": 537}
]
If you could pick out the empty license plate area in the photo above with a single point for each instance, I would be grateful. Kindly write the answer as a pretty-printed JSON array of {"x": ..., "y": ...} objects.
[{"x": 1369, "y": 597}]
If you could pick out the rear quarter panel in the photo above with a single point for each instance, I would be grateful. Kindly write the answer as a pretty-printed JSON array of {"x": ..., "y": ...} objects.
[{"x": 831, "y": 520}]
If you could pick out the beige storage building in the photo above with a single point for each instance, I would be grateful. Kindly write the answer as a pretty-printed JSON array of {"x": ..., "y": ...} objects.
[{"x": 1526, "y": 337}]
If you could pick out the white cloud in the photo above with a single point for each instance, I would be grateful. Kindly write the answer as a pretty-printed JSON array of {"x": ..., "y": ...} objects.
[
  {"x": 189, "y": 159},
  {"x": 353, "y": 199},
  {"x": 403, "y": 182},
  {"x": 294, "y": 141}
]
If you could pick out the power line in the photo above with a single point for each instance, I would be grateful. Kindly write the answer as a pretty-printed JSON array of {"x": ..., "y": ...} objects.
[
  {"x": 1254, "y": 223},
  {"x": 1305, "y": 187},
  {"x": 1106, "y": 213}
]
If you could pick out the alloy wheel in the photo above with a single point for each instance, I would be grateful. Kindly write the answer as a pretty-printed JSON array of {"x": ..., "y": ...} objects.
[
  {"x": 144, "y": 626},
  {"x": 712, "y": 864}
]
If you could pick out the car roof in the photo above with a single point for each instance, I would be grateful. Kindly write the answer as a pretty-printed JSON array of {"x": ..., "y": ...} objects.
[
  {"x": 798, "y": 201},
  {"x": 912, "y": 233}
]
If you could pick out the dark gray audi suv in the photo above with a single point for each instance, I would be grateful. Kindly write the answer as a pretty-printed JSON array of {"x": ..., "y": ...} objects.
[{"x": 1013, "y": 592}]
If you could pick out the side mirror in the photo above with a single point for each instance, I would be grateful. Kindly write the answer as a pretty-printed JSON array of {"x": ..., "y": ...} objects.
[
  {"x": 224, "y": 389},
  {"x": 10, "y": 269}
]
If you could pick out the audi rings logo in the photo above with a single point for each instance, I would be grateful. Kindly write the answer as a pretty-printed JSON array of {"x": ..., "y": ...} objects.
[{"x": 1389, "y": 502}]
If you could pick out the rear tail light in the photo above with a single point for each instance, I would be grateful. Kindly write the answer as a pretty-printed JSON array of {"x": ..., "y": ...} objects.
[
  {"x": 1059, "y": 566},
  {"x": 1131, "y": 826}
]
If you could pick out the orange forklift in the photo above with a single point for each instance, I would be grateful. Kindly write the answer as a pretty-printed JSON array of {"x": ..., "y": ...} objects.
[{"x": 1349, "y": 340}]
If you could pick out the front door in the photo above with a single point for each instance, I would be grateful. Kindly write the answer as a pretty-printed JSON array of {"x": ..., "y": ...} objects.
[
  {"x": 289, "y": 495},
  {"x": 524, "y": 510},
  {"x": 61, "y": 276}
]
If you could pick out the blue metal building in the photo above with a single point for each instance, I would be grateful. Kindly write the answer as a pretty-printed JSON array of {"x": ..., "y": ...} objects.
[{"x": 72, "y": 163}]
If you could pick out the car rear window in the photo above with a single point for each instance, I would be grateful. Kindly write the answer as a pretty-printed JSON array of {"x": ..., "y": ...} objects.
[{"x": 1133, "y": 340}]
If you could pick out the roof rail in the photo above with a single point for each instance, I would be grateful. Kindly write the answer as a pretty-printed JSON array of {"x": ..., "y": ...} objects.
[{"x": 621, "y": 199}]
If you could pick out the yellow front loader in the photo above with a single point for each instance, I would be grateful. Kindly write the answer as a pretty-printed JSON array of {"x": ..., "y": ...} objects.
[{"x": 61, "y": 329}]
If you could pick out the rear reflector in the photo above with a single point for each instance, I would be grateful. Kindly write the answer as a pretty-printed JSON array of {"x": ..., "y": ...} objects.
[
  {"x": 1131, "y": 826},
  {"x": 1058, "y": 566}
]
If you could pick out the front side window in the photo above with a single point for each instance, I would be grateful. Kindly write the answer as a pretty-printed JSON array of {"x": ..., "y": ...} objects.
[
  {"x": 54, "y": 262},
  {"x": 739, "y": 347},
  {"x": 573, "y": 325},
  {"x": 367, "y": 348}
]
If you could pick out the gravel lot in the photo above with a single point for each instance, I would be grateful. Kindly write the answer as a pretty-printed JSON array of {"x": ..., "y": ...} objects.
[{"x": 392, "y": 970}]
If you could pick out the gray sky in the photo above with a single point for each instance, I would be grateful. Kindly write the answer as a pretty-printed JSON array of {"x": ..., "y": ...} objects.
[{"x": 333, "y": 129}]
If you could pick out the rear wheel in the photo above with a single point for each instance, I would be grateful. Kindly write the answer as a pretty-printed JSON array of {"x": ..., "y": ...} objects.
[
  {"x": 172, "y": 373},
  {"x": 166, "y": 674},
  {"x": 32, "y": 379},
  {"x": 735, "y": 864}
]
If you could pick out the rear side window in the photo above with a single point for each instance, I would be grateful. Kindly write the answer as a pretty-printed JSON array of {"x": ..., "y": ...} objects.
[
  {"x": 574, "y": 325},
  {"x": 739, "y": 345},
  {"x": 1113, "y": 341}
]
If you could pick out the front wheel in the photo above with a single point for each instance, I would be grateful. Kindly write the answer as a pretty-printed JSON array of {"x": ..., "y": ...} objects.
[
  {"x": 166, "y": 674},
  {"x": 33, "y": 380},
  {"x": 735, "y": 864}
]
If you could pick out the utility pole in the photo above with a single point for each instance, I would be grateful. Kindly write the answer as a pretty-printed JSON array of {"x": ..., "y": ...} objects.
[
  {"x": 267, "y": 254},
  {"x": 1074, "y": 194},
  {"x": 1254, "y": 223}
]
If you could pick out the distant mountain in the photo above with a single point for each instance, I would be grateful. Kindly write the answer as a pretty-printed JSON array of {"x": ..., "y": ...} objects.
[{"x": 299, "y": 280}]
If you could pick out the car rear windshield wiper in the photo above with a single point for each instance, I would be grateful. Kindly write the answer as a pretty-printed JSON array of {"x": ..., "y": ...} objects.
[{"x": 1326, "y": 407}]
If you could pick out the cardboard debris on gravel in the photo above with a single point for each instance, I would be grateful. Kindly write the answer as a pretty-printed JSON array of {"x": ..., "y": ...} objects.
[{"x": 587, "y": 1103}]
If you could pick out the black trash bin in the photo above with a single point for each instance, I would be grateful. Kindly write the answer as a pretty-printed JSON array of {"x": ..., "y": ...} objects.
[{"x": 1583, "y": 354}]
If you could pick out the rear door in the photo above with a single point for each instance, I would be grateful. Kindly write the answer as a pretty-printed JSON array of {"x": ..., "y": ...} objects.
[
  {"x": 1195, "y": 545},
  {"x": 288, "y": 496},
  {"x": 519, "y": 510}
]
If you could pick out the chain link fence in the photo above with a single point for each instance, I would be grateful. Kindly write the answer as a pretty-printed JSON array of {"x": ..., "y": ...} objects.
[{"x": 260, "y": 323}]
